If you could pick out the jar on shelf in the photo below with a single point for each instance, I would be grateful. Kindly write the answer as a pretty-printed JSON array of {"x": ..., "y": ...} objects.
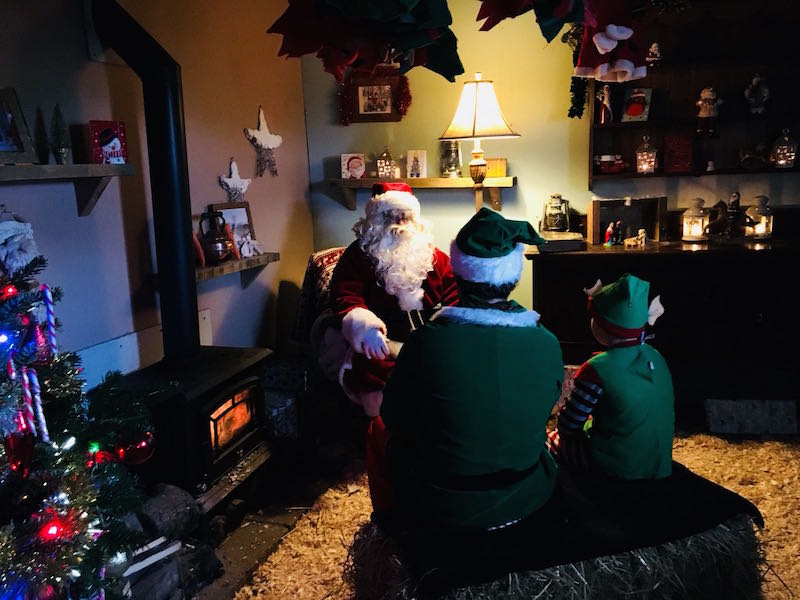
[
  {"x": 695, "y": 221},
  {"x": 387, "y": 167},
  {"x": 646, "y": 157},
  {"x": 762, "y": 218},
  {"x": 451, "y": 158},
  {"x": 783, "y": 151}
]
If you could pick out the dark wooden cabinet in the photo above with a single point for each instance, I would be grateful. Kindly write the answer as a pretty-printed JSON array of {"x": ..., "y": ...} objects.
[
  {"x": 723, "y": 49},
  {"x": 729, "y": 329}
]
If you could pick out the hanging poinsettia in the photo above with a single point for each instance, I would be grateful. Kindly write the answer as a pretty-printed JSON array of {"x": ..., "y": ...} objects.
[{"x": 359, "y": 34}]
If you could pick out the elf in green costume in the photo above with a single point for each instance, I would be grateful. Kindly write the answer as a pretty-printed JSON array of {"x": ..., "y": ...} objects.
[
  {"x": 626, "y": 390},
  {"x": 467, "y": 402}
]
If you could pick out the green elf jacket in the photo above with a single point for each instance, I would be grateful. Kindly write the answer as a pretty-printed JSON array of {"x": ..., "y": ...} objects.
[
  {"x": 465, "y": 409},
  {"x": 634, "y": 421}
]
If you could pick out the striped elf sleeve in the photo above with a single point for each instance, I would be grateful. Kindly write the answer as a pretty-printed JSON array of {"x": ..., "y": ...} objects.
[{"x": 588, "y": 390}]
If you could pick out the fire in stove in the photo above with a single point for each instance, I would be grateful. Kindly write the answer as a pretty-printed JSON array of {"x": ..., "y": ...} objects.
[{"x": 232, "y": 419}]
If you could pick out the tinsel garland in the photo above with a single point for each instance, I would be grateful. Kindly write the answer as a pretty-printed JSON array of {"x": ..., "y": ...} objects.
[
  {"x": 579, "y": 86},
  {"x": 401, "y": 99}
]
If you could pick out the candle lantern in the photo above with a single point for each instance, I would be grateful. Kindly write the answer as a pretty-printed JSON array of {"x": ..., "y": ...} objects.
[
  {"x": 646, "y": 157},
  {"x": 762, "y": 217},
  {"x": 387, "y": 167},
  {"x": 783, "y": 151},
  {"x": 695, "y": 222}
]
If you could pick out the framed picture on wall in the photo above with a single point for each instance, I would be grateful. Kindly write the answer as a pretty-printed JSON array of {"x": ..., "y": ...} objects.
[
  {"x": 354, "y": 166},
  {"x": 636, "y": 106},
  {"x": 16, "y": 146},
  {"x": 374, "y": 99}
]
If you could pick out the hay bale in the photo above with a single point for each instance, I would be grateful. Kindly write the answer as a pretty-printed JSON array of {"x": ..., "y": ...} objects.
[{"x": 724, "y": 562}]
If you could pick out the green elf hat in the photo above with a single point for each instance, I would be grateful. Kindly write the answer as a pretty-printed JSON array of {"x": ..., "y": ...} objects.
[
  {"x": 489, "y": 248},
  {"x": 621, "y": 308}
]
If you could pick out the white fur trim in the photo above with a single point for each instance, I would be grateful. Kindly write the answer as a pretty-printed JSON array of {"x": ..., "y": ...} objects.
[
  {"x": 356, "y": 323},
  {"x": 496, "y": 271},
  {"x": 603, "y": 43},
  {"x": 595, "y": 289},
  {"x": 369, "y": 401},
  {"x": 618, "y": 72},
  {"x": 392, "y": 200},
  {"x": 618, "y": 32},
  {"x": 488, "y": 316}
]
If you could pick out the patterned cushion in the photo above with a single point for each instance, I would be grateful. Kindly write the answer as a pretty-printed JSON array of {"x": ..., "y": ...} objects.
[{"x": 315, "y": 292}]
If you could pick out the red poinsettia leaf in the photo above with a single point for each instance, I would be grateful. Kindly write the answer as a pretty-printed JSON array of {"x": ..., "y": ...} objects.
[{"x": 495, "y": 11}]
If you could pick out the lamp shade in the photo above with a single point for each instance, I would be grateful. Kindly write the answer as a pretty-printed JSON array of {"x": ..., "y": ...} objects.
[{"x": 478, "y": 114}]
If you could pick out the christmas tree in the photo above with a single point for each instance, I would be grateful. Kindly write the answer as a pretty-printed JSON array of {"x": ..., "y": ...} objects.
[{"x": 65, "y": 488}]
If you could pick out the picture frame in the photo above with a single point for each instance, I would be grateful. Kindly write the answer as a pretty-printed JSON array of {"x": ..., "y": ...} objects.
[
  {"x": 496, "y": 167},
  {"x": 416, "y": 164},
  {"x": 238, "y": 216},
  {"x": 354, "y": 166},
  {"x": 109, "y": 142},
  {"x": 649, "y": 214},
  {"x": 16, "y": 145},
  {"x": 636, "y": 105},
  {"x": 374, "y": 99}
]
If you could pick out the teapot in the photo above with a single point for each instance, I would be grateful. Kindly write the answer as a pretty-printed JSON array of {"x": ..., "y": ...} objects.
[{"x": 215, "y": 243}]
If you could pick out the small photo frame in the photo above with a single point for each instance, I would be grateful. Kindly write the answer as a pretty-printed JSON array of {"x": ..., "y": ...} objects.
[
  {"x": 16, "y": 146},
  {"x": 375, "y": 99},
  {"x": 636, "y": 106},
  {"x": 109, "y": 142},
  {"x": 237, "y": 215},
  {"x": 496, "y": 167},
  {"x": 354, "y": 166},
  {"x": 416, "y": 165}
]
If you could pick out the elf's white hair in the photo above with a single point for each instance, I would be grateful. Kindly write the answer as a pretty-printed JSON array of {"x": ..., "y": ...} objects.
[{"x": 402, "y": 253}]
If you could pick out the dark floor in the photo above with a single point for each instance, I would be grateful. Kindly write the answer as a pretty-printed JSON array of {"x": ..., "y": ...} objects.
[{"x": 271, "y": 503}]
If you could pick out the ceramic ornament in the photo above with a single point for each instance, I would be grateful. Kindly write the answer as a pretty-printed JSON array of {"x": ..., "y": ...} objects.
[
  {"x": 234, "y": 185},
  {"x": 249, "y": 247},
  {"x": 265, "y": 144}
]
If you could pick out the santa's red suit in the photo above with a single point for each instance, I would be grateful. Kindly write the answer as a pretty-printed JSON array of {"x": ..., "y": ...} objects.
[
  {"x": 384, "y": 306},
  {"x": 363, "y": 304}
]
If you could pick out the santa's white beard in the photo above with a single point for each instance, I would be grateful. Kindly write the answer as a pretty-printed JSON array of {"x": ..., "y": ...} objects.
[{"x": 404, "y": 256}]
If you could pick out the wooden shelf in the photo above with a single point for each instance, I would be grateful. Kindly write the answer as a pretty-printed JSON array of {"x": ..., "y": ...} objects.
[
  {"x": 89, "y": 179},
  {"x": 234, "y": 266},
  {"x": 349, "y": 187}
]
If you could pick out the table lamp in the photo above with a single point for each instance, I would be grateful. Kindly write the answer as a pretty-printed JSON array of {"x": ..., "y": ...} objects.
[{"x": 477, "y": 117}]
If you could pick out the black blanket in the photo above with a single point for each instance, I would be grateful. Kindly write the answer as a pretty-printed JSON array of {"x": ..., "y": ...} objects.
[{"x": 586, "y": 518}]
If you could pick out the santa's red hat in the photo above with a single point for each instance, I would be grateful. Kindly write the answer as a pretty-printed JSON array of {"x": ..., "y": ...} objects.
[{"x": 392, "y": 196}]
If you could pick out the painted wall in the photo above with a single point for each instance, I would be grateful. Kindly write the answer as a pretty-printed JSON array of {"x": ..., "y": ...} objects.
[
  {"x": 532, "y": 83},
  {"x": 229, "y": 67}
]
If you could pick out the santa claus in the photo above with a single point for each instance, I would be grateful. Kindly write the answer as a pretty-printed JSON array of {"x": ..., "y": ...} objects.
[{"x": 387, "y": 283}]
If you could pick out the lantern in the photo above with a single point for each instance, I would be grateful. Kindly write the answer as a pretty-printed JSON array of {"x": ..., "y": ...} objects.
[
  {"x": 762, "y": 217},
  {"x": 783, "y": 151},
  {"x": 695, "y": 221},
  {"x": 646, "y": 159},
  {"x": 387, "y": 167}
]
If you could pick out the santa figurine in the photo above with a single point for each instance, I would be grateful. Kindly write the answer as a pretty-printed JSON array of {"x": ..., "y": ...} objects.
[{"x": 387, "y": 283}]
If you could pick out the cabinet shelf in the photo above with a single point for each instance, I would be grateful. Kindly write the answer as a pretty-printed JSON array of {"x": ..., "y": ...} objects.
[
  {"x": 89, "y": 180},
  {"x": 721, "y": 171},
  {"x": 349, "y": 187},
  {"x": 234, "y": 266}
]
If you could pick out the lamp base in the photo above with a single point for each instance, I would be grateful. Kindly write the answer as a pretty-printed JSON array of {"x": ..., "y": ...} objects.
[{"x": 477, "y": 169}]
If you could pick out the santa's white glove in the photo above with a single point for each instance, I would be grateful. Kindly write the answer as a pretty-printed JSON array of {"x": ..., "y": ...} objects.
[{"x": 374, "y": 345}]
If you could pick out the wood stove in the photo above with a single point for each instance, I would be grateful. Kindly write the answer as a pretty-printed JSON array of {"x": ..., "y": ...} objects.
[{"x": 208, "y": 409}]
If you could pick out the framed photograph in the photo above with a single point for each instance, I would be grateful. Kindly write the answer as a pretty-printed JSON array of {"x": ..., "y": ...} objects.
[
  {"x": 416, "y": 165},
  {"x": 375, "y": 99},
  {"x": 16, "y": 146},
  {"x": 495, "y": 167},
  {"x": 237, "y": 215},
  {"x": 636, "y": 106},
  {"x": 109, "y": 143},
  {"x": 649, "y": 214},
  {"x": 354, "y": 166}
]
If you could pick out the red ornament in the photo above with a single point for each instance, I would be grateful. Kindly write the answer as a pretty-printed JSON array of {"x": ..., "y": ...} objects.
[
  {"x": 19, "y": 450},
  {"x": 9, "y": 291},
  {"x": 99, "y": 457},
  {"x": 139, "y": 452}
]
